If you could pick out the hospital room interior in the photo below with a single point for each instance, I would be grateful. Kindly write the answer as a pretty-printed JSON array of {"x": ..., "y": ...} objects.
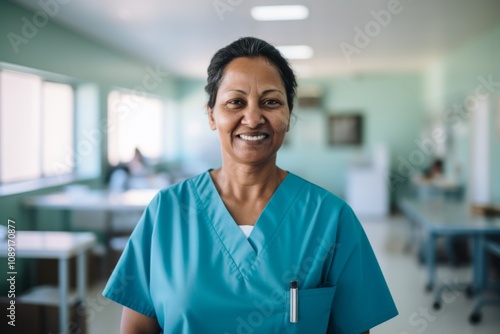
[{"x": 103, "y": 104}]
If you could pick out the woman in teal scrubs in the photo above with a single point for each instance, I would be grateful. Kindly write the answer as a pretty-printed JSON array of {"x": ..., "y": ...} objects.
[{"x": 249, "y": 247}]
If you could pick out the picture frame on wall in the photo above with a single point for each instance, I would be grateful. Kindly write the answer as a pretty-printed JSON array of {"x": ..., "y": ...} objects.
[{"x": 345, "y": 129}]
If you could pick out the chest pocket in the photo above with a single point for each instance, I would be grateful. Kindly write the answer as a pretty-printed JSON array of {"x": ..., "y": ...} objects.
[{"x": 314, "y": 311}]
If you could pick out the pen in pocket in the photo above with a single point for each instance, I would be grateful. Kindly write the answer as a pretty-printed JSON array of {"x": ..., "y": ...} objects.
[{"x": 294, "y": 302}]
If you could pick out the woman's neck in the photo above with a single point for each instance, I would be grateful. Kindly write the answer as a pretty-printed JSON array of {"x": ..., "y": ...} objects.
[{"x": 248, "y": 183}]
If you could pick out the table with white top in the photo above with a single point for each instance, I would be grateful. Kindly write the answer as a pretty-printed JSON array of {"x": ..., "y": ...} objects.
[
  {"x": 61, "y": 246},
  {"x": 108, "y": 202},
  {"x": 95, "y": 200}
]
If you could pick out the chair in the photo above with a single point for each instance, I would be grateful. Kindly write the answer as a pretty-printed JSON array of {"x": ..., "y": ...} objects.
[{"x": 493, "y": 248}]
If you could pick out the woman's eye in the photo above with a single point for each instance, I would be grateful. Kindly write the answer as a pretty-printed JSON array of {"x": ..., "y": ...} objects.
[
  {"x": 272, "y": 103},
  {"x": 235, "y": 103}
]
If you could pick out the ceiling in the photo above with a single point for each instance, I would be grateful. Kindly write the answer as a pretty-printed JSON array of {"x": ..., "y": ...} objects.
[{"x": 181, "y": 36}]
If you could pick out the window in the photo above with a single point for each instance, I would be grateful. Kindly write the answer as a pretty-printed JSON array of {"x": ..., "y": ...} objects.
[
  {"x": 134, "y": 121},
  {"x": 57, "y": 128},
  {"x": 36, "y": 127}
]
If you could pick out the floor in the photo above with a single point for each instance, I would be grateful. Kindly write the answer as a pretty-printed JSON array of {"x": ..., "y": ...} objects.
[{"x": 406, "y": 279}]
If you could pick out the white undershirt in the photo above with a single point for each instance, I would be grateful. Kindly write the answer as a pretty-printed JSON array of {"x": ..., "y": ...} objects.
[{"x": 246, "y": 229}]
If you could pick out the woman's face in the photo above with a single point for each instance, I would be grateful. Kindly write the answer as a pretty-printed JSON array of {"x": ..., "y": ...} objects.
[{"x": 251, "y": 112}]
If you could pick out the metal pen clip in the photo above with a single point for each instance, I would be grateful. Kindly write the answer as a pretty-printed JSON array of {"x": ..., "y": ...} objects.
[{"x": 294, "y": 302}]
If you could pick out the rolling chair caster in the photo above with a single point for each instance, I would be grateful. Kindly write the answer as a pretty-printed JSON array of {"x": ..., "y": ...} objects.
[{"x": 475, "y": 318}]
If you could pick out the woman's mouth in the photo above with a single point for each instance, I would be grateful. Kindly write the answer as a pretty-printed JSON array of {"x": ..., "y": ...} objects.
[{"x": 253, "y": 137}]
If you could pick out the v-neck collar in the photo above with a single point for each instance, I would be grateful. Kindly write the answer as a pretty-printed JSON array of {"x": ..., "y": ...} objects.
[{"x": 245, "y": 253}]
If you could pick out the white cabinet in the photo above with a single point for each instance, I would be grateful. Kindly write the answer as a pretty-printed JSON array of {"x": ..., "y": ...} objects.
[{"x": 367, "y": 186}]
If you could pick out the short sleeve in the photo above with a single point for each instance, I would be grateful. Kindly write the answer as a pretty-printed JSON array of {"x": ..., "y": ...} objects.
[
  {"x": 362, "y": 299},
  {"x": 129, "y": 284}
]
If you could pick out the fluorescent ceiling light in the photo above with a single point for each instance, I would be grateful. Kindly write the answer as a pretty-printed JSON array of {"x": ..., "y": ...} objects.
[
  {"x": 279, "y": 13},
  {"x": 296, "y": 51}
]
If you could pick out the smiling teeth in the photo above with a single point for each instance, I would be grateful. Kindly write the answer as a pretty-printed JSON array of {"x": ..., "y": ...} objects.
[{"x": 259, "y": 137}]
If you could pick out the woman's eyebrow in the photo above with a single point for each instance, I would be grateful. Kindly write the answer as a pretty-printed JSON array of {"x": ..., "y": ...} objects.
[
  {"x": 237, "y": 90},
  {"x": 267, "y": 91}
]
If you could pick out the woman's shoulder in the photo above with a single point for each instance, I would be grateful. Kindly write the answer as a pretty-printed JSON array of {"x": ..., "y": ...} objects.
[
  {"x": 317, "y": 191},
  {"x": 177, "y": 196},
  {"x": 184, "y": 187},
  {"x": 316, "y": 200}
]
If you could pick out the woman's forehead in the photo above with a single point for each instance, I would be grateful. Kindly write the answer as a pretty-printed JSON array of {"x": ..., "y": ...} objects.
[{"x": 244, "y": 73}]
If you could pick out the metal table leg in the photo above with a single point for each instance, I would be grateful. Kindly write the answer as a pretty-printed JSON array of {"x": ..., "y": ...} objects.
[
  {"x": 431, "y": 261},
  {"x": 81, "y": 276},
  {"x": 63, "y": 296},
  {"x": 106, "y": 263},
  {"x": 478, "y": 261}
]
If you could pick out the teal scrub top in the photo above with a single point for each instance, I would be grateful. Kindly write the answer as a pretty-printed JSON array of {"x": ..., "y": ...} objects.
[{"x": 189, "y": 265}]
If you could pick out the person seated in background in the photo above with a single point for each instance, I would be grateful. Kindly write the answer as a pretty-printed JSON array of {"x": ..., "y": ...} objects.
[
  {"x": 133, "y": 174},
  {"x": 435, "y": 171},
  {"x": 138, "y": 166}
]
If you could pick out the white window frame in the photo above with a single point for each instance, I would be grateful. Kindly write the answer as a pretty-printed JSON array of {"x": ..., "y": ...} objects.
[{"x": 44, "y": 181}]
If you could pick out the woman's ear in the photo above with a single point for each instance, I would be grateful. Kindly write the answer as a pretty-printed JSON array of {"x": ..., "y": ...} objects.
[{"x": 211, "y": 119}]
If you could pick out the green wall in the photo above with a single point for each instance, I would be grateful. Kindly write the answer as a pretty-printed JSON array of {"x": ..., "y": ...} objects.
[
  {"x": 456, "y": 77},
  {"x": 59, "y": 50},
  {"x": 392, "y": 108}
]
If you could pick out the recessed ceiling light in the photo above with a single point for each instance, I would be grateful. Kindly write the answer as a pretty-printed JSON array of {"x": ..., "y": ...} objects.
[
  {"x": 296, "y": 51},
  {"x": 280, "y": 13}
]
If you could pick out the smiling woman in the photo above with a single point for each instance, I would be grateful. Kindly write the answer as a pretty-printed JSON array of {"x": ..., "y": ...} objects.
[
  {"x": 250, "y": 113},
  {"x": 249, "y": 247}
]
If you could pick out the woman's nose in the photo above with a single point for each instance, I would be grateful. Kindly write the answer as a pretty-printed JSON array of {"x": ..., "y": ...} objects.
[{"x": 253, "y": 116}]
